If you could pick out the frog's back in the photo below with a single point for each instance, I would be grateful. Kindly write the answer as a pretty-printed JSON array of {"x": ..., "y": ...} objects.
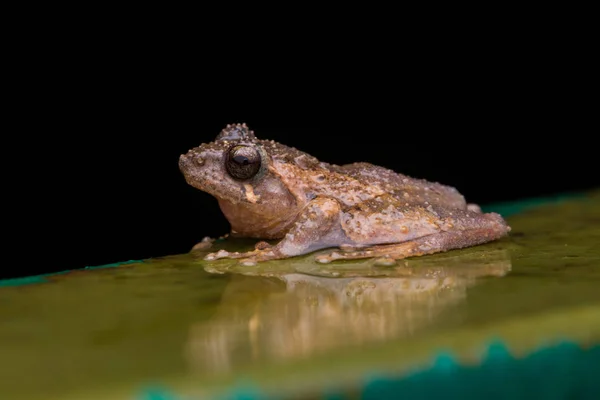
[
  {"x": 404, "y": 188},
  {"x": 354, "y": 183}
]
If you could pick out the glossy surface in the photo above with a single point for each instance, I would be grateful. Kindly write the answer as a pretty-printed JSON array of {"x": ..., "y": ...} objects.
[{"x": 198, "y": 327}]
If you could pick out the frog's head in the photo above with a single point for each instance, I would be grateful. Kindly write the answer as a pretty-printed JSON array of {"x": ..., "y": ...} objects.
[{"x": 235, "y": 169}]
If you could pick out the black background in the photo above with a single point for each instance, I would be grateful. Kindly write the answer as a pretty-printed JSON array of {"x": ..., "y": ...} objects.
[{"x": 98, "y": 162}]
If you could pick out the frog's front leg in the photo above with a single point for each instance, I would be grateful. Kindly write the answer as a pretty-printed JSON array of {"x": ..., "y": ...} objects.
[
  {"x": 478, "y": 229},
  {"x": 317, "y": 227}
]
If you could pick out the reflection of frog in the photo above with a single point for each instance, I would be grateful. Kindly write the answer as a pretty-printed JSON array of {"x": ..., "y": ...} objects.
[
  {"x": 308, "y": 315},
  {"x": 271, "y": 191},
  {"x": 281, "y": 314}
]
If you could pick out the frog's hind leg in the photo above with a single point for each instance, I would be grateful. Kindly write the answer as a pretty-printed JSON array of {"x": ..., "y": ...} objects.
[{"x": 481, "y": 230}]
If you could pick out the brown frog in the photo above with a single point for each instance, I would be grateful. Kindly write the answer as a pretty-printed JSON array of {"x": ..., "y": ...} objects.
[{"x": 271, "y": 191}]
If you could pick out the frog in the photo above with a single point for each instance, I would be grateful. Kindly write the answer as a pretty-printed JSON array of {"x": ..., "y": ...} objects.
[{"x": 272, "y": 192}]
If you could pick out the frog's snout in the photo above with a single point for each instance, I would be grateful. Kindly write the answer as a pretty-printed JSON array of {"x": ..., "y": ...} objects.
[
  {"x": 190, "y": 160},
  {"x": 184, "y": 162}
]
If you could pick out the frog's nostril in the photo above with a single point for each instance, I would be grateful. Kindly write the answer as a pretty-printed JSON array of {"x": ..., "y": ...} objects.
[{"x": 199, "y": 161}]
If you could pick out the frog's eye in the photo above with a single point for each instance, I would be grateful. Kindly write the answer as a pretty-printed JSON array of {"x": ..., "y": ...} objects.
[{"x": 243, "y": 162}]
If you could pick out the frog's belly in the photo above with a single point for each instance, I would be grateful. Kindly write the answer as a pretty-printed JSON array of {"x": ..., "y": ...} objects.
[{"x": 249, "y": 221}]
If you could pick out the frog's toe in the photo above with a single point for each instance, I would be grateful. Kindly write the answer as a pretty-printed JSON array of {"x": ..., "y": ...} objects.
[
  {"x": 251, "y": 258},
  {"x": 354, "y": 254},
  {"x": 346, "y": 255},
  {"x": 224, "y": 254},
  {"x": 327, "y": 258}
]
